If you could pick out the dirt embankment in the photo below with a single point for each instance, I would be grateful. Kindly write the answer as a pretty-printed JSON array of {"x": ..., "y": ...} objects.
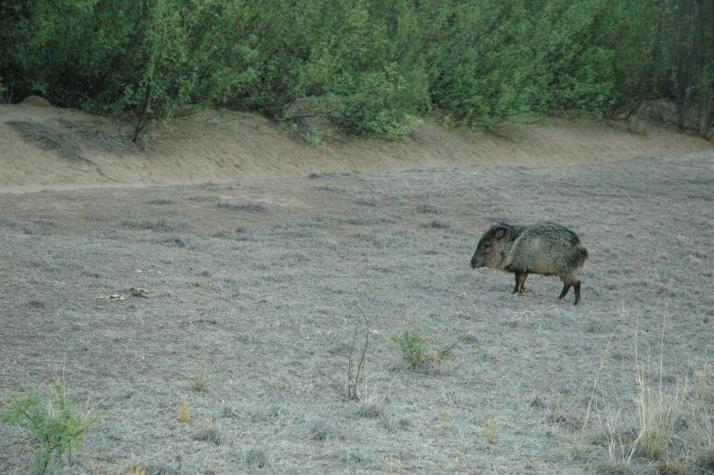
[{"x": 52, "y": 148}]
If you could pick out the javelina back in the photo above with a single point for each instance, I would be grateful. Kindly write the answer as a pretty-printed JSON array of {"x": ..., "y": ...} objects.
[{"x": 545, "y": 248}]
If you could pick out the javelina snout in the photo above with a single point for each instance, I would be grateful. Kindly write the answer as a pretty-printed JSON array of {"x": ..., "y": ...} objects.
[
  {"x": 545, "y": 248},
  {"x": 477, "y": 261}
]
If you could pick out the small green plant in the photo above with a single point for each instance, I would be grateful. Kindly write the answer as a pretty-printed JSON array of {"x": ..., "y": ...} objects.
[
  {"x": 199, "y": 380},
  {"x": 55, "y": 424},
  {"x": 414, "y": 351}
]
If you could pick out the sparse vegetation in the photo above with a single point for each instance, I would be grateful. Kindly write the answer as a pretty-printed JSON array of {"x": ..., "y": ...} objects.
[
  {"x": 256, "y": 457},
  {"x": 356, "y": 373},
  {"x": 209, "y": 433},
  {"x": 414, "y": 350},
  {"x": 278, "y": 309},
  {"x": 55, "y": 424},
  {"x": 491, "y": 429},
  {"x": 250, "y": 206},
  {"x": 198, "y": 381},
  {"x": 657, "y": 411}
]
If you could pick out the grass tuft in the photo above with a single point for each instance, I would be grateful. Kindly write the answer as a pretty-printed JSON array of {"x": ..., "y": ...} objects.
[
  {"x": 184, "y": 412},
  {"x": 209, "y": 433},
  {"x": 414, "y": 350},
  {"x": 256, "y": 458},
  {"x": 251, "y": 206},
  {"x": 198, "y": 381},
  {"x": 490, "y": 429},
  {"x": 657, "y": 413}
]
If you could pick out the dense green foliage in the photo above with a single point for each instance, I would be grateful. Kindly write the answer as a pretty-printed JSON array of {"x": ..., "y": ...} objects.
[{"x": 367, "y": 65}]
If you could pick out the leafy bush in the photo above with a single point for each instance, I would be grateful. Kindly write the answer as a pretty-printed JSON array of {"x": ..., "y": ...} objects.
[
  {"x": 368, "y": 66},
  {"x": 55, "y": 424}
]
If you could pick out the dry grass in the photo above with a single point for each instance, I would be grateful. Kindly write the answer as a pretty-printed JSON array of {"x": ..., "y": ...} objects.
[
  {"x": 657, "y": 411},
  {"x": 490, "y": 429},
  {"x": 209, "y": 433},
  {"x": 184, "y": 412}
]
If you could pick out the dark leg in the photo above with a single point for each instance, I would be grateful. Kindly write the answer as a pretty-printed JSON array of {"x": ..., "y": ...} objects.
[
  {"x": 566, "y": 287},
  {"x": 518, "y": 280},
  {"x": 523, "y": 284},
  {"x": 576, "y": 286},
  {"x": 521, "y": 281}
]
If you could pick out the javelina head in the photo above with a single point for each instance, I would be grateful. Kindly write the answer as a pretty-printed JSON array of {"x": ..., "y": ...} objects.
[{"x": 493, "y": 246}]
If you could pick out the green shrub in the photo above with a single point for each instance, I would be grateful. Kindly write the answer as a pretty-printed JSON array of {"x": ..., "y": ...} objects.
[
  {"x": 55, "y": 424},
  {"x": 414, "y": 350},
  {"x": 368, "y": 66}
]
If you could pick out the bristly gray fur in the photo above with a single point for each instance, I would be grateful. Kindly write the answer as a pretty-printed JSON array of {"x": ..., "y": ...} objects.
[{"x": 545, "y": 248}]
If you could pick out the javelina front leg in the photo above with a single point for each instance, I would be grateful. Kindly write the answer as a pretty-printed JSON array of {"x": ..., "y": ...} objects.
[
  {"x": 518, "y": 282},
  {"x": 523, "y": 282}
]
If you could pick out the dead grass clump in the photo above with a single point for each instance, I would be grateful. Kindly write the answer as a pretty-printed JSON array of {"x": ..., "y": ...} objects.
[
  {"x": 427, "y": 209},
  {"x": 178, "y": 241},
  {"x": 48, "y": 138},
  {"x": 255, "y": 458},
  {"x": 704, "y": 383},
  {"x": 392, "y": 423},
  {"x": 184, "y": 412},
  {"x": 250, "y": 206},
  {"x": 667, "y": 465},
  {"x": 161, "y": 225},
  {"x": 160, "y": 201},
  {"x": 436, "y": 224},
  {"x": 370, "y": 407},
  {"x": 490, "y": 429},
  {"x": 657, "y": 412},
  {"x": 209, "y": 433},
  {"x": 704, "y": 461},
  {"x": 562, "y": 418},
  {"x": 615, "y": 468},
  {"x": 242, "y": 233},
  {"x": 321, "y": 431}
]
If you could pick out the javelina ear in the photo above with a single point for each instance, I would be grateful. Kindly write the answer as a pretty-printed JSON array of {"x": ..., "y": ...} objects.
[{"x": 500, "y": 232}]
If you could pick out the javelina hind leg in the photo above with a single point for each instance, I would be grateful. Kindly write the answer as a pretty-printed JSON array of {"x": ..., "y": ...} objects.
[
  {"x": 576, "y": 286},
  {"x": 523, "y": 284},
  {"x": 566, "y": 287}
]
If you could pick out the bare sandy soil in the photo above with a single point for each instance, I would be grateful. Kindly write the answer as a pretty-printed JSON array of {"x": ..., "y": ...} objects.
[
  {"x": 259, "y": 283},
  {"x": 259, "y": 278},
  {"x": 66, "y": 149}
]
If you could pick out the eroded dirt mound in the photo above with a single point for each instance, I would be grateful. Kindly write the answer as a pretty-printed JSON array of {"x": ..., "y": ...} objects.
[{"x": 53, "y": 148}]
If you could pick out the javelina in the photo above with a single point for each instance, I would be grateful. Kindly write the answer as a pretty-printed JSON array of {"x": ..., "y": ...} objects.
[{"x": 545, "y": 248}]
